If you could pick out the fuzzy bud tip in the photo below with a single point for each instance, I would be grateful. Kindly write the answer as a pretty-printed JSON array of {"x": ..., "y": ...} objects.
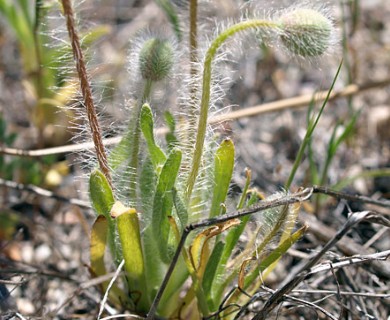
[
  {"x": 156, "y": 59},
  {"x": 306, "y": 32}
]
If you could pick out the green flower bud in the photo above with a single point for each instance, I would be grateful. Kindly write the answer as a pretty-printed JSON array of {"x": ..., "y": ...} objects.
[
  {"x": 306, "y": 32},
  {"x": 156, "y": 59}
]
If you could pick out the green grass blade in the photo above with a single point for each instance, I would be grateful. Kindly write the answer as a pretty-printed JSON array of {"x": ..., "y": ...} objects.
[
  {"x": 172, "y": 16},
  {"x": 309, "y": 133},
  {"x": 26, "y": 8},
  {"x": 335, "y": 143}
]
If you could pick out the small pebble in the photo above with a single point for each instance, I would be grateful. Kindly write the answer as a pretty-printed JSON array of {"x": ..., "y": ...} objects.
[{"x": 42, "y": 253}]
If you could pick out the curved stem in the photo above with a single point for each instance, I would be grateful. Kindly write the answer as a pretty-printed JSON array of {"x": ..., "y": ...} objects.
[{"x": 204, "y": 106}]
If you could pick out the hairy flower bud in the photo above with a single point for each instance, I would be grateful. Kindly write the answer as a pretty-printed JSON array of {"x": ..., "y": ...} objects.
[
  {"x": 156, "y": 59},
  {"x": 306, "y": 32}
]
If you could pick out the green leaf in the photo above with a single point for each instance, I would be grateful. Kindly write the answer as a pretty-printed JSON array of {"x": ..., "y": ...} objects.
[
  {"x": 181, "y": 209},
  {"x": 334, "y": 144},
  {"x": 170, "y": 136},
  {"x": 163, "y": 202},
  {"x": 126, "y": 151},
  {"x": 156, "y": 154},
  {"x": 211, "y": 270},
  {"x": 231, "y": 240},
  {"x": 130, "y": 239},
  {"x": 154, "y": 267},
  {"x": 98, "y": 241},
  {"x": 99, "y": 234},
  {"x": 101, "y": 194},
  {"x": 148, "y": 183},
  {"x": 102, "y": 199},
  {"x": 122, "y": 151},
  {"x": 223, "y": 170}
]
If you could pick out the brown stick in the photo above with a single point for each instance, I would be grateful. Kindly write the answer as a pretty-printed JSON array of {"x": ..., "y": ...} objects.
[
  {"x": 290, "y": 103},
  {"x": 86, "y": 89},
  {"x": 297, "y": 102}
]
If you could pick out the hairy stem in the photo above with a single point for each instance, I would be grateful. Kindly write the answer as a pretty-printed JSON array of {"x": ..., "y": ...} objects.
[
  {"x": 193, "y": 59},
  {"x": 204, "y": 106},
  {"x": 86, "y": 89}
]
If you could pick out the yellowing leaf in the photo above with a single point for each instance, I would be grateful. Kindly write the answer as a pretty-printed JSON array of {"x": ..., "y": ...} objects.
[{"x": 199, "y": 248}]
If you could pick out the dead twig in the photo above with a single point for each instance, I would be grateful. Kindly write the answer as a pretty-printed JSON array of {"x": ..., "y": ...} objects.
[
  {"x": 347, "y": 261},
  {"x": 43, "y": 193},
  {"x": 278, "y": 295},
  {"x": 346, "y": 245},
  {"x": 344, "y": 293},
  {"x": 340, "y": 195},
  {"x": 289, "y": 103}
]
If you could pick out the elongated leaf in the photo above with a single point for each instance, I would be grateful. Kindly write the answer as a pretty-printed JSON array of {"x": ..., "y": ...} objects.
[
  {"x": 127, "y": 148},
  {"x": 156, "y": 154},
  {"x": 181, "y": 209},
  {"x": 248, "y": 283},
  {"x": 122, "y": 151},
  {"x": 98, "y": 242},
  {"x": 102, "y": 199},
  {"x": 199, "y": 258},
  {"x": 199, "y": 248},
  {"x": 130, "y": 238},
  {"x": 223, "y": 170},
  {"x": 233, "y": 235},
  {"x": 148, "y": 184},
  {"x": 275, "y": 255},
  {"x": 99, "y": 235},
  {"x": 163, "y": 201},
  {"x": 211, "y": 270},
  {"x": 214, "y": 296},
  {"x": 170, "y": 136},
  {"x": 154, "y": 267}
]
